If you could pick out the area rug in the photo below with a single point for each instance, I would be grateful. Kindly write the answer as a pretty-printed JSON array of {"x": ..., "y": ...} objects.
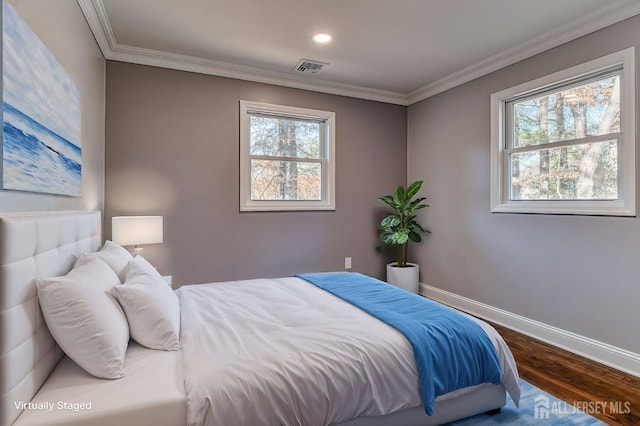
[{"x": 536, "y": 408}]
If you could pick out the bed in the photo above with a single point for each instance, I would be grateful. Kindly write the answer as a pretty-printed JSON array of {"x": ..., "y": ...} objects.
[{"x": 39, "y": 385}]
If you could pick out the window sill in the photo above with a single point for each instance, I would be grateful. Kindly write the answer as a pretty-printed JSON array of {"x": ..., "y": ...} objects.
[
  {"x": 579, "y": 208},
  {"x": 270, "y": 206}
]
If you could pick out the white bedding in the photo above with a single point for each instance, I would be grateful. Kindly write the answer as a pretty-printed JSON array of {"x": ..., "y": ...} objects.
[
  {"x": 150, "y": 393},
  {"x": 282, "y": 351}
]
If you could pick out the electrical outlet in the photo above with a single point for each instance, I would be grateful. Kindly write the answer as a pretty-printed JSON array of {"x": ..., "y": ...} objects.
[{"x": 347, "y": 263}]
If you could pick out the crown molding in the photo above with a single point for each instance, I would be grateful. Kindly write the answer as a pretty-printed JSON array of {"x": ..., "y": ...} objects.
[
  {"x": 98, "y": 21},
  {"x": 176, "y": 61},
  {"x": 100, "y": 26},
  {"x": 604, "y": 17}
]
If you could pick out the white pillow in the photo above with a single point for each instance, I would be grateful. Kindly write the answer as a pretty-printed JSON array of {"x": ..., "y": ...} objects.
[
  {"x": 152, "y": 309},
  {"x": 84, "y": 318},
  {"x": 139, "y": 265},
  {"x": 114, "y": 255}
]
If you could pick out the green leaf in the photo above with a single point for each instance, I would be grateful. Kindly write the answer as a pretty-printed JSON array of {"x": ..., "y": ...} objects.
[
  {"x": 400, "y": 194},
  {"x": 416, "y": 225},
  {"x": 390, "y": 221},
  {"x": 413, "y": 189},
  {"x": 389, "y": 200},
  {"x": 415, "y": 237},
  {"x": 415, "y": 204},
  {"x": 401, "y": 238},
  {"x": 418, "y": 201},
  {"x": 386, "y": 235}
]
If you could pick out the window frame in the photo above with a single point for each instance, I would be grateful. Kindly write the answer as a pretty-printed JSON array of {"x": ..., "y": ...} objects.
[
  {"x": 327, "y": 147},
  {"x": 500, "y": 191}
]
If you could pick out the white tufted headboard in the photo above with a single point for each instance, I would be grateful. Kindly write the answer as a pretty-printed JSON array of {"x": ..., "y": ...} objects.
[{"x": 34, "y": 245}]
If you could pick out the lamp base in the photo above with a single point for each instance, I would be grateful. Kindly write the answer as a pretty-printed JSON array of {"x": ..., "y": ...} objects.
[{"x": 137, "y": 251}]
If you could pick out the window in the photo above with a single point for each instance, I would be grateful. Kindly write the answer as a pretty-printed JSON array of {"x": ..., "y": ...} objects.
[
  {"x": 287, "y": 158},
  {"x": 565, "y": 143}
]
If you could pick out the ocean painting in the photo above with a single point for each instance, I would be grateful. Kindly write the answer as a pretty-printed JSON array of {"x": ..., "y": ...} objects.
[{"x": 41, "y": 144}]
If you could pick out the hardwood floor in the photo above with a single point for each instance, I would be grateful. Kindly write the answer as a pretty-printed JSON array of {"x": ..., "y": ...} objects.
[{"x": 576, "y": 380}]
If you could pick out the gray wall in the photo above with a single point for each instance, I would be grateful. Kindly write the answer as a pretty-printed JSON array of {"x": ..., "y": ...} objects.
[
  {"x": 63, "y": 29},
  {"x": 577, "y": 273},
  {"x": 173, "y": 149}
]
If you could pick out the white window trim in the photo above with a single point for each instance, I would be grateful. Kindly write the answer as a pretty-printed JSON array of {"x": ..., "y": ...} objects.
[
  {"x": 328, "y": 176},
  {"x": 626, "y": 203}
]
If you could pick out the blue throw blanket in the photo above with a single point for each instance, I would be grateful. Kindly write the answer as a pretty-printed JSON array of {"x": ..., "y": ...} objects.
[{"x": 451, "y": 350}]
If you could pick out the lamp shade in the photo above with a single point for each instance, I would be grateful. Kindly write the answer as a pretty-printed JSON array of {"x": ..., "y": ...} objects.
[{"x": 135, "y": 230}]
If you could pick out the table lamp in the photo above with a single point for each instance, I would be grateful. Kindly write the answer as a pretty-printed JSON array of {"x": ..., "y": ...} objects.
[{"x": 136, "y": 230}]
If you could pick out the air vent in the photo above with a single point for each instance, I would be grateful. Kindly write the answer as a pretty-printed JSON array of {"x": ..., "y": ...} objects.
[{"x": 308, "y": 66}]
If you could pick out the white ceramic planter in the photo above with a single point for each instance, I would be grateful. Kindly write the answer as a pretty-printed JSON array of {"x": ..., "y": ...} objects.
[{"x": 405, "y": 278}]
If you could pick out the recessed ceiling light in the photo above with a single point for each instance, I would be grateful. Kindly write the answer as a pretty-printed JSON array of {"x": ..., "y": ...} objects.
[{"x": 322, "y": 38}]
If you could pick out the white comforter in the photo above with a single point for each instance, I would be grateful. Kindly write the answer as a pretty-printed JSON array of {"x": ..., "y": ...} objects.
[{"x": 284, "y": 352}]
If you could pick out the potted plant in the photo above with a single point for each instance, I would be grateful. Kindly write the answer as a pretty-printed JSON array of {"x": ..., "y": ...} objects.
[{"x": 401, "y": 228}]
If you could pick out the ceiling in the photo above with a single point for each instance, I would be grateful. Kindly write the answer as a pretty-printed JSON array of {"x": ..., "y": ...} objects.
[{"x": 397, "y": 51}]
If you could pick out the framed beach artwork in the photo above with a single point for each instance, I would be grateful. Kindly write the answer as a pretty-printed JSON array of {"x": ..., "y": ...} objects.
[{"x": 41, "y": 144}]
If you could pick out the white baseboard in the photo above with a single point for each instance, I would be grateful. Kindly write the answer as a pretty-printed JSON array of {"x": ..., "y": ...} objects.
[{"x": 604, "y": 353}]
